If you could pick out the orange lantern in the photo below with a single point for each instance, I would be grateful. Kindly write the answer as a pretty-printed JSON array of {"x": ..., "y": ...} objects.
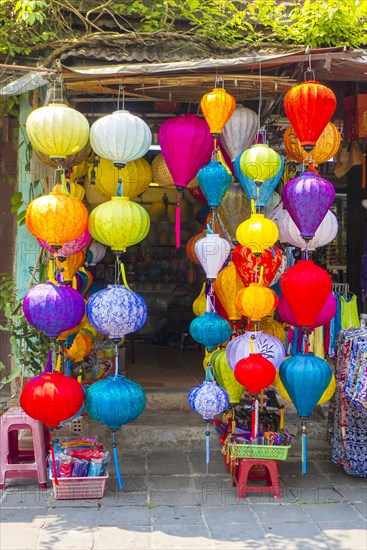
[
  {"x": 75, "y": 189},
  {"x": 226, "y": 287},
  {"x": 190, "y": 247},
  {"x": 256, "y": 301},
  {"x": 57, "y": 218},
  {"x": 80, "y": 348},
  {"x": 309, "y": 107},
  {"x": 326, "y": 146},
  {"x": 217, "y": 107},
  {"x": 71, "y": 264}
]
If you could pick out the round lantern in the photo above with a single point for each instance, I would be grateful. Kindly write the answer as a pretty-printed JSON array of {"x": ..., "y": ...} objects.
[
  {"x": 208, "y": 400},
  {"x": 260, "y": 163},
  {"x": 217, "y": 107},
  {"x": 190, "y": 247},
  {"x": 93, "y": 197},
  {"x": 56, "y": 218},
  {"x": 256, "y": 301},
  {"x": 325, "y": 233},
  {"x": 136, "y": 177},
  {"x": 210, "y": 330},
  {"x": 75, "y": 189},
  {"x": 96, "y": 253},
  {"x": 119, "y": 223},
  {"x": 263, "y": 193},
  {"x": 255, "y": 372},
  {"x": 214, "y": 181},
  {"x": 255, "y": 342},
  {"x": 162, "y": 175},
  {"x": 71, "y": 265},
  {"x": 226, "y": 286},
  {"x": 306, "y": 287},
  {"x": 307, "y": 199},
  {"x": 69, "y": 248},
  {"x": 247, "y": 264},
  {"x": 257, "y": 233},
  {"x": 53, "y": 309},
  {"x": 225, "y": 377},
  {"x": 233, "y": 209},
  {"x": 116, "y": 311},
  {"x": 81, "y": 347},
  {"x": 120, "y": 137},
  {"x": 212, "y": 251},
  {"x": 239, "y": 132},
  {"x": 52, "y": 398},
  {"x": 57, "y": 130},
  {"x": 326, "y": 146},
  {"x": 309, "y": 107}
]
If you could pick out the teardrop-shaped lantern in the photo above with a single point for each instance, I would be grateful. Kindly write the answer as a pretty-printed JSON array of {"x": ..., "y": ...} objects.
[
  {"x": 57, "y": 130},
  {"x": 309, "y": 107},
  {"x": 257, "y": 233},
  {"x": 256, "y": 301},
  {"x": 326, "y": 146},
  {"x": 326, "y": 232},
  {"x": 217, "y": 107},
  {"x": 226, "y": 286},
  {"x": 260, "y": 163},
  {"x": 307, "y": 199},
  {"x": 214, "y": 181},
  {"x": 239, "y": 132},
  {"x": 263, "y": 193},
  {"x": 212, "y": 251},
  {"x": 210, "y": 330},
  {"x": 225, "y": 377},
  {"x": 136, "y": 177},
  {"x": 234, "y": 208},
  {"x": 120, "y": 137},
  {"x": 255, "y": 342}
]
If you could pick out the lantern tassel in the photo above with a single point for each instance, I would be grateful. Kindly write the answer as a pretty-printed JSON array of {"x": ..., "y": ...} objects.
[
  {"x": 120, "y": 481},
  {"x": 207, "y": 448},
  {"x": 178, "y": 220},
  {"x": 53, "y": 461},
  {"x": 304, "y": 447}
]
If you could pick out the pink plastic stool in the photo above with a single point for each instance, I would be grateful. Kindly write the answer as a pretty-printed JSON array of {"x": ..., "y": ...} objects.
[
  {"x": 10, "y": 456},
  {"x": 264, "y": 469}
]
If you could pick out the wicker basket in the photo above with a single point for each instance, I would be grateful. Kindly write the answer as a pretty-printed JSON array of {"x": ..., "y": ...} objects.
[
  {"x": 75, "y": 488},
  {"x": 264, "y": 452}
]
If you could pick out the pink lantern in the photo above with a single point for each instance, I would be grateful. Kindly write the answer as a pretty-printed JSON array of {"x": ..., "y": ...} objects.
[
  {"x": 327, "y": 312},
  {"x": 69, "y": 248}
]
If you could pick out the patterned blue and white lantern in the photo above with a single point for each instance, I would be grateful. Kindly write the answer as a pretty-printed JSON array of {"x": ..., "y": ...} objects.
[{"x": 116, "y": 311}]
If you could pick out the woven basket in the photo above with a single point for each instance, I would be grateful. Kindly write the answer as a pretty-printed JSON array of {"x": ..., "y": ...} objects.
[
  {"x": 264, "y": 452},
  {"x": 78, "y": 488}
]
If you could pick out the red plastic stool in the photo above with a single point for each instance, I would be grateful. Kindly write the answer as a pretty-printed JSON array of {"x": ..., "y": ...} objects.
[
  {"x": 264, "y": 469},
  {"x": 12, "y": 459}
]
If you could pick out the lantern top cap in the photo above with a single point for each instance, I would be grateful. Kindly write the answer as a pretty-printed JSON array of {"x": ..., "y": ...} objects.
[
  {"x": 120, "y": 199},
  {"x": 260, "y": 145},
  {"x": 121, "y": 111}
]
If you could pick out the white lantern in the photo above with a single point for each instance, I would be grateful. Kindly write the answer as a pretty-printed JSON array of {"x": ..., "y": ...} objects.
[
  {"x": 240, "y": 131},
  {"x": 97, "y": 251},
  {"x": 120, "y": 137},
  {"x": 255, "y": 342},
  {"x": 212, "y": 252},
  {"x": 325, "y": 233}
]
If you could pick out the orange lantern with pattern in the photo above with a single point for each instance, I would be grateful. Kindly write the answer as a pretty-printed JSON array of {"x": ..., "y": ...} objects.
[{"x": 217, "y": 107}]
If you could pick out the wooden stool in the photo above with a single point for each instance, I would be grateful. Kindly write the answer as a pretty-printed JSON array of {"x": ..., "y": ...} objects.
[
  {"x": 11, "y": 457},
  {"x": 264, "y": 469}
]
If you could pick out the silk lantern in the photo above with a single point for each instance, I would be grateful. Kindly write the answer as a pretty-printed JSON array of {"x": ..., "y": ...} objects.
[
  {"x": 71, "y": 265},
  {"x": 53, "y": 309},
  {"x": 69, "y": 248},
  {"x": 326, "y": 146},
  {"x": 199, "y": 305},
  {"x": 190, "y": 247},
  {"x": 307, "y": 199},
  {"x": 255, "y": 372},
  {"x": 306, "y": 287},
  {"x": 81, "y": 347},
  {"x": 309, "y": 106},
  {"x": 326, "y": 396},
  {"x": 327, "y": 312},
  {"x": 269, "y": 325},
  {"x": 212, "y": 251},
  {"x": 96, "y": 253},
  {"x": 226, "y": 286},
  {"x": 256, "y": 301},
  {"x": 136, "y": 177},
  {"x": 57, "y": 130},
  {"x": 57, "y": 218},
  {"x": 119, "y": 223},
  {"x": 217, "y": 107},
  {"x": 52, "y": 398},
  {"x": 263, "y": 193},
  {"x": 239, "y": 131},
  {"x": 267, "y": 345},
  {"x": 210, "y": 330},
  {"x": 214, "y": 181},
  {"x": 93, "y": 197},
  {"x": 225, "y": 377},
  {"x": 120, "y": 137},
  {"x": 233, "y": 209},
  {"x": 116, "y": 311},
  {"x": 257, "y": 233},
  {"x": 260, "y": 163},
  {"x": 247, "y": 263},
  {"x": 325, "y": 233},
  {"x": 115, "y": 401}
]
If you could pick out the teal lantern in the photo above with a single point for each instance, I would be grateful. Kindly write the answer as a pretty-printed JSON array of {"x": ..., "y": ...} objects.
[
  {"x": 261, "y": 193},
  {"x": 210, "y": 330},
  {"x": 214, "y": 181}
]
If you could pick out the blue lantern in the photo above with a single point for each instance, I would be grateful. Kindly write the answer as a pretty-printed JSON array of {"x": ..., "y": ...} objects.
[
  {"x": 266, "y": 188},
  {"x": 115, "y": 401},
  {"x": 214, "y": 181},
  {"x": 210, "y": 330},
  {"x": 116, "y": 311}
]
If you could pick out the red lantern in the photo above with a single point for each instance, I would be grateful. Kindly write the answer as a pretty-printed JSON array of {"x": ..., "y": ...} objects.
[
  {"x": 52, "y": 398},
  {"x": 245, "y": 262},
  {"x": 255, "y": 372},
  {"x": 305, "y": 287},
  {"x": 309, "y": 107}
]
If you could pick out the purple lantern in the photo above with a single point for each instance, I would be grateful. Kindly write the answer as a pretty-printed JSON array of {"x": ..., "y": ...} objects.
[
  {"x": 69, "y": 248},
  {"x": 307, "y": 199},
  {"x": 53, "y": 309}
]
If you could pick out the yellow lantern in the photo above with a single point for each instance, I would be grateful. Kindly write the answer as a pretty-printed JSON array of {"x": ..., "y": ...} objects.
[
  {"x": 326, "y": 396},
  {"x": 226, "y": 286},
  {"x": 257, "y": 233},
  {"x": 162, "y": 175},
  {"x": 57, "y": 130},
  {"x": 56, "y": 218},
  {"x": 71, "y": 264},
  {"x": 93, "y": 197},
  {"x": 217, "y": 107},
  {"x": 199, "y": 305},
  {"x": 83, "y": 325},
  {"x": 256, "y": 301},
  {"x": 270, "y": 326},
  {"x": 119, "y": 223},
  {"x": 326, "y": 146},
  {"x": 80, "y": 348},
  {"x": 75, "y": 189},
  {"x": 136, "y": 177}
]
